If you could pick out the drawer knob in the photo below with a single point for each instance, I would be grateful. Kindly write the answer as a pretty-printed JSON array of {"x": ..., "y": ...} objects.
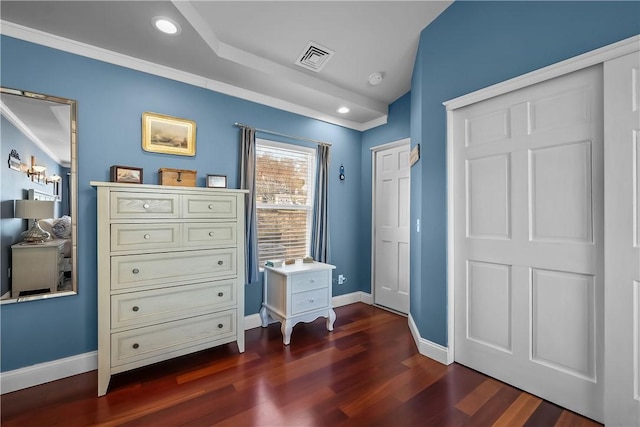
[
  {"x": 220, "y": 262},
  {"x": 147, "y": 236},
  {"x": 310, "y": 299},
  {"x": 146, "y": 206},
  {"x": 312, "y": 281},
  {"x": 211, "y": 233},
  {"x": 135, "y": 271},
  {"x": 220, "y": 325},
  {"x": 136, "y": 345},
  {"x": 220, "y": 294},
  {"x": 210, "y": 206},
  {"x": 135, "y": 308}
]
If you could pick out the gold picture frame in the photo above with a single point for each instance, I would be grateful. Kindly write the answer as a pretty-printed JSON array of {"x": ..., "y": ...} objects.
[{"x": 168, "y": 135}]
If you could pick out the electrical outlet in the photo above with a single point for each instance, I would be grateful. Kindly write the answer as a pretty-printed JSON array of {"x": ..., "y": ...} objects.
[{"x": 341, "y": 279}]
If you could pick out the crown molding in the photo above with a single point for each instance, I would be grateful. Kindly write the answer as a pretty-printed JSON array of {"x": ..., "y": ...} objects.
[
  {"x": 89, "y": 51},
  {"x": 26, "y": 131}
]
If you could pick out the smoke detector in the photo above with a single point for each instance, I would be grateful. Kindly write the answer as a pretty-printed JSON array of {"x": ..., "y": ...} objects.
[
  {"x": 314, "y": 57},
  {"x": 375, "y": 78}
]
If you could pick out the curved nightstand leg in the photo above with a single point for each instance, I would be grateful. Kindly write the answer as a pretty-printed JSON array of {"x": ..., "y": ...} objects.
[
  {"x": 286, "y": 329},
  {"x": 331, "y": 319},
  {"x": 264, "y": 316}
]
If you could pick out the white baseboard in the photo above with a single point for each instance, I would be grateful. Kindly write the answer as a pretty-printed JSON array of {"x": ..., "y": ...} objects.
[
  {"x": 41, "y": 373},
  {"x": 352, "y": 298},
  {"x": 252, "y": 321},
  {"x": 427, "y": 348},
  {"x": 47, "y": 372}
]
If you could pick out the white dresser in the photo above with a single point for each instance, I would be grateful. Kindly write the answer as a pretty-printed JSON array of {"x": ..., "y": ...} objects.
[
  {"x": 299, "y": 292},
  {"x": 170, "y": 273}
]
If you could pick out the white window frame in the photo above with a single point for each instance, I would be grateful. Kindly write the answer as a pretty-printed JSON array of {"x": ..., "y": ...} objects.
[{"x": 311, "y": 190}]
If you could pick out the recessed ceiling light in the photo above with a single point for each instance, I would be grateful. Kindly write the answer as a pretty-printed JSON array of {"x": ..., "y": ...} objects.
[
  {"x": 343, "y": 110},
  {"x": 166, "y": 25}
]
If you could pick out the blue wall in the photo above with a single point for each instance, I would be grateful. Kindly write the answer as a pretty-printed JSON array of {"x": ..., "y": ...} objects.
[
  {"x": 468, "y": 47},
  {"x": 111, "y": 101}
]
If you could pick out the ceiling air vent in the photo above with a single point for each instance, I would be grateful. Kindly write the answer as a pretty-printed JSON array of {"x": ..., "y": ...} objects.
[{"x": 314, "y": 57}]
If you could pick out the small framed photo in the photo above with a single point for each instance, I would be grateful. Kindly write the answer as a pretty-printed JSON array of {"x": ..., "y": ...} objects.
[
  {"x": 126, "y": 174},
  {"x": 217, "y": 181},
  {"x": 168, "y": 135}
]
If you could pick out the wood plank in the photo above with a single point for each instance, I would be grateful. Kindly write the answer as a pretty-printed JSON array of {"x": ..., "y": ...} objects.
[
  {"x": 519, "y": 411},
  {"x": 478, "y": 397}
]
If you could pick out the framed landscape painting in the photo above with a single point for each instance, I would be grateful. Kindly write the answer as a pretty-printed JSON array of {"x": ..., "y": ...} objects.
[
  {"x": 126, "y": 174},
  {"x": 168, "y": 135}
]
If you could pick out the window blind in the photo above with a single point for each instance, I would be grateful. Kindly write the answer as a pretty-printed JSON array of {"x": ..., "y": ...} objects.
[{"x": 285, "y": 176}]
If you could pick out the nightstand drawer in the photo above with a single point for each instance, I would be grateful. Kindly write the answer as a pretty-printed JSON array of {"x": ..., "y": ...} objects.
[
  {"x": 128, "y": 271},
  {"x": 144, "y": 205},
  {"x": 209, "y": 234},
  {"x": 310, "y": 300},
  {"x": 144, "y": 236},
  {"x": 143, "y": 343},
  {"x": 209, "y": 206},
  {"x": 144, "y": 308},
  {"x": 308, "y": 281}
]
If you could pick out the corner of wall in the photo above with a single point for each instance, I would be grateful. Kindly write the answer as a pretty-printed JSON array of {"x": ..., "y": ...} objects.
[{"x": 430, "y": 349}]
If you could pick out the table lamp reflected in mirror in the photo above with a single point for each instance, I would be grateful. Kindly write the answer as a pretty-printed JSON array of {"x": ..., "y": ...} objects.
[{"x": 35, "y": 210}]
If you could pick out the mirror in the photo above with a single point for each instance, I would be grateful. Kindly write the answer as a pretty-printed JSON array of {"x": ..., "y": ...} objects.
[{"x": 40, "y": 179}]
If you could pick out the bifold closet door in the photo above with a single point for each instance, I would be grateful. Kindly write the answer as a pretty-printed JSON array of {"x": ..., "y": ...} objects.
[
  {"x": 528, "y": 233},
  {"x": 622, "y": 245}
]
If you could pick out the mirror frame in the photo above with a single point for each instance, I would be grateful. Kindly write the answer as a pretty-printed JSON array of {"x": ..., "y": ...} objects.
[{"x": 73, "y": 189}]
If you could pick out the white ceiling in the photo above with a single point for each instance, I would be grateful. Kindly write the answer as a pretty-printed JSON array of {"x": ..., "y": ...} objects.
[
  {"x": 47, "y": 124},
  {"x": 253, "y": 45}
]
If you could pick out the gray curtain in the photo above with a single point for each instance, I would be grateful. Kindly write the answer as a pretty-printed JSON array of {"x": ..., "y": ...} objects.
[
  {"x": 320, "y": 230},
  {"x": 248, "y": 182}
]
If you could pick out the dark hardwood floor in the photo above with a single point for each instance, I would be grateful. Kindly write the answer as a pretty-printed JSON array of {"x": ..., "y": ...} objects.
[{"x": 367, "y": 372}]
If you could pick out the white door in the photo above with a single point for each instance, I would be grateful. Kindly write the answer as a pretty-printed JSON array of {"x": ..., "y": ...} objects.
[
  {"x": 528, "y": 235},
  {"x": 391, "y": 227},
  {"x": 622, "y": 245}
]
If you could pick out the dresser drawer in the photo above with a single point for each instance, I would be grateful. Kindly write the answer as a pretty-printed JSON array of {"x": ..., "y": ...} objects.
[
  {"x": 310, "y": 300},
  {"x": 135, "y": 309},
  {"x": 308, "y": 281},
  {"x": 209, "y": 234},
  {"x": 217, "y": 206},
  {"x": 126, "y": 237},
  {"x": 144, "y": 205},
  {"x": 128, "y": 271},
  {"x": 142, "y": 343}
]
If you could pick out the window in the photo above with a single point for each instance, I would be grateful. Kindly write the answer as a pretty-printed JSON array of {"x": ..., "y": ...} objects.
[{"x": 285, "y": 181}]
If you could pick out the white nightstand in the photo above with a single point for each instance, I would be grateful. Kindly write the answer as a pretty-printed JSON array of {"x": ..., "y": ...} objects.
[
  {"x": 36, "y": 266},
  {"x": 299, "y": 292}
]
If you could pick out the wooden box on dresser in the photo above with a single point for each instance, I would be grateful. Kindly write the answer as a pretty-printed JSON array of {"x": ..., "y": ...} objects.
[{"x": 170, "y": 273}]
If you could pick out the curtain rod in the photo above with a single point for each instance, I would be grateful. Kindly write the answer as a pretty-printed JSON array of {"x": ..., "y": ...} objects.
[{"x": 300, "y": 138}]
